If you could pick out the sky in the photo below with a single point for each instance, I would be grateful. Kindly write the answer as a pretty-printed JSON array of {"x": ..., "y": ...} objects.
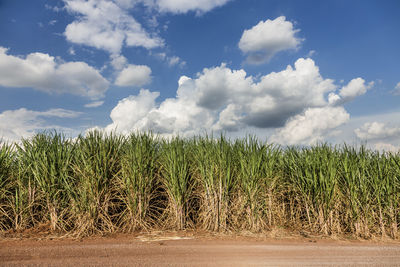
[{"x": 290, "y": 72}]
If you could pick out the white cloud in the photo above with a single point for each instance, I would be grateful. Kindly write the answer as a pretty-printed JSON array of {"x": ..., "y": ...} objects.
[
  {"x": 126, "y": 3},
  {"x": 311, "y": 53},
  {"x": 377, "y": 130},
  {"x": 131, "y": 110},
  {"x": 396, "y": 90},
  {"x": 370, "y": 134},
  {"x": 173, "y": 60},
  {"x": 71, "y": 51},
  {"x": 44, "y": 73},
  {"x": 94, "y": 104},
  {"x": 184, "y": 6},
  {"x": 134, "y": 75},
  {"x": 289, "y": 92},
  {"x": 221, "y": 99},
  {"x": 353, "y": 89},
  {"x": 53, "y": 8},
  {"x": 386, "y": 147},
  {"x": 161, "y": 55},
  {"x": 105, "y": 25},
  {"x": 118, "y": 62},
  {"x": 267, "y": 38},
  {"x": 356, "y": 87},
  {"x": 311, "y": 126},
  {"x": 22, "y": 122}
]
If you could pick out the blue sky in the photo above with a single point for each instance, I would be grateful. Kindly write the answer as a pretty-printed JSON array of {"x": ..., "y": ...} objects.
[{"x": 294, "y": 72}]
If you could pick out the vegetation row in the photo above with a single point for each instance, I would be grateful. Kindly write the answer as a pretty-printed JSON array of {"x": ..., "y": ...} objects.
[{"x": 101, "y": 183}]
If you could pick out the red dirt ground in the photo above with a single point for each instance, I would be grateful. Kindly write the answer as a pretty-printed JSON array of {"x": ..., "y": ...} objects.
[{"x": 198, "y": 250}]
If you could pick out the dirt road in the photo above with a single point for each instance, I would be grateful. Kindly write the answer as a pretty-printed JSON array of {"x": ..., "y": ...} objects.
[{"x": 171, "y": 251}]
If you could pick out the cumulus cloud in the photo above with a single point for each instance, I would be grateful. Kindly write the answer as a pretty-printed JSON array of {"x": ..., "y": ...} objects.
[
  {"x": 353, "y": 89},
  {"x": 130, "y": 111},
  {"x": 118, "y": 62},
  {"x": 44, "y": 73},
  {"x": 263, "y": 41},
  {"x": 22, "y": 122},
  {"x": 377, "y": 131},
  {"x": 293, "y": 101},
  {"x": 311, "y": 126},
  {"x": 106, "y": 25},
  {"x": 134, "y": 75},
  {"x": 289, "y": 92}
]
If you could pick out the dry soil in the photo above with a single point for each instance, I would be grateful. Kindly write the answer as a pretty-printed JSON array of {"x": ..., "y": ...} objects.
[{"x": 181, "y": 250}]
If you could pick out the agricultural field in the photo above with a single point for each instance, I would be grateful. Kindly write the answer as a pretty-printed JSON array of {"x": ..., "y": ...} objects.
[{"x": 99, "y": 183}]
